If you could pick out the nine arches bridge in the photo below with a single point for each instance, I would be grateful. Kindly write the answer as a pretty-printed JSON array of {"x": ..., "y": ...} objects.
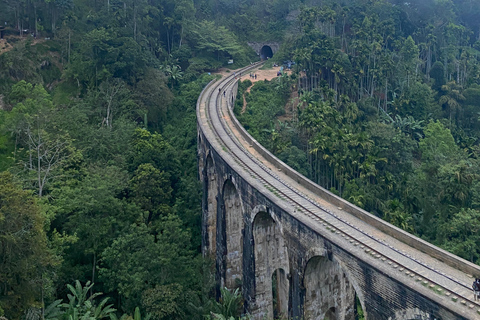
[{"x": 298, "y": 251}]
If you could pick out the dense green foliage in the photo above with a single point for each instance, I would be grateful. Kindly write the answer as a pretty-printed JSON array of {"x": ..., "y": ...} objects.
[
  {"x": 386, "y": 112},
  {"x": 98, "y": 134},
  {"x": 98, "y": 180}
]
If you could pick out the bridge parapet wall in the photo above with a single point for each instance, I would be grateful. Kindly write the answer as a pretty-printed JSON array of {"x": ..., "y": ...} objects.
[{"x": 380, "y": 296}]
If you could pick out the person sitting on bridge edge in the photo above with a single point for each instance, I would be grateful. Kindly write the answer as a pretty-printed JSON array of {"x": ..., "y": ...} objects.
[{"x": 476, "y": 289}]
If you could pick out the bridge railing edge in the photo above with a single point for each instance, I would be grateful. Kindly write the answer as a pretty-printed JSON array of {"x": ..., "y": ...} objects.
[
  {"x": 399, "y": 234},
  {"x": 200, "y": 97}
]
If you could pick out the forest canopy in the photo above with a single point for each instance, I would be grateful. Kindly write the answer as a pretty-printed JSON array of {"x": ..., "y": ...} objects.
[{"x": 98, "y": 164}]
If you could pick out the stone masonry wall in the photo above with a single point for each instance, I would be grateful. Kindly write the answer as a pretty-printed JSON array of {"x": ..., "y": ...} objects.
[{"x": 291, "y": 245}]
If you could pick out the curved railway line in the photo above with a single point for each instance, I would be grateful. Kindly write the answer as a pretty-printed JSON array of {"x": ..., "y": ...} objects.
[{"x": 448, "y": 285}]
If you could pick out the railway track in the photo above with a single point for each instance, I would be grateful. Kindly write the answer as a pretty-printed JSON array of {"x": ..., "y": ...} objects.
[{"x": 415, "y": 272}]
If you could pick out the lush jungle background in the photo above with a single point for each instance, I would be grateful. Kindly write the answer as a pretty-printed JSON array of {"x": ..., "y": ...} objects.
[{"x": 98, "y": 180}]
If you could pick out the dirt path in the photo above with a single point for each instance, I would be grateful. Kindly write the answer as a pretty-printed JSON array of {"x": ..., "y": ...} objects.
[
  {"x": 4, "y": 46},
  {"x": 262, "y": 75},
  {"x": 7, "y": 46}
]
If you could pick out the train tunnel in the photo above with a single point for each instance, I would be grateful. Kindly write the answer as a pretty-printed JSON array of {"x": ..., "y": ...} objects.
[{"x": 266, "y": 53}]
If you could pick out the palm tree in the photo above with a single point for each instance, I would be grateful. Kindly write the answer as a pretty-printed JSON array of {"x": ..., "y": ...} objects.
[
  {"x": 451, "y": 98},
  {"x": 173, "y": 72}
]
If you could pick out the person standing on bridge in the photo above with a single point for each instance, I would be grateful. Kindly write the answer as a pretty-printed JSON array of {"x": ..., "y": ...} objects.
[{"x": 476, "y": 289}]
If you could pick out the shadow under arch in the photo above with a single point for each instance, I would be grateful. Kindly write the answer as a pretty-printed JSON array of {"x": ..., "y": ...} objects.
[
  {"x": 199, "y": 141},
  {"x": 322, "y": 251},
  {"x": 271, "y": 264},
  {"x": 358, "y": 292},
  {"x": 330, "y": 314},
  {"x": 280, "y": 291},
  {"x": 211, "y": 182},
  {"x": 329, "y": 294},
  {"x": 201, "y": 162},
  {"x": 234, "y": 228}
]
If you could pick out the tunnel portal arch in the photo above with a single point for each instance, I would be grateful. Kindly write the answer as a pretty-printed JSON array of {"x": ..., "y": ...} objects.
[
  {"x": 264, "y": 49},
  {"x": 266, "y": 52}
]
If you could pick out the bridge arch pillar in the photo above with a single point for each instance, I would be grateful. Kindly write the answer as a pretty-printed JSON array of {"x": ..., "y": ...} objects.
[
  {"x": 233, "y": 231},
  {"x": 329, "y": 294},
  {"x": 210, "y": 207},
  {"x": 272, "y": 285}
]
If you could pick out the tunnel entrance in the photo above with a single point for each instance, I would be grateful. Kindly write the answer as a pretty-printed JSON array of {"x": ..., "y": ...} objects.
[{"x": 266, "y": 53}]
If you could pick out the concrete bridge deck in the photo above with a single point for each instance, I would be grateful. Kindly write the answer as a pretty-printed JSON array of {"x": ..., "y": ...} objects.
[{"x": 418, "y": 268}]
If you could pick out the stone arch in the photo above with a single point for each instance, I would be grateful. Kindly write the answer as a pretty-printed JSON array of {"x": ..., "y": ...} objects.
[
  {"x": 234, "y": 228},
  {"x": 322, "y": 251},
  {"x": 256, "y": 210},
  {"x": 211, "y": 207},
  {"x": 330, "y": 314},
  {"x": 266, "y": 52},
  {"x": 257, "y": 46},
  {"x": 358, "y": 291},
  {"x": 328, "y": 291},
  {"x": 270, "y": 255}
]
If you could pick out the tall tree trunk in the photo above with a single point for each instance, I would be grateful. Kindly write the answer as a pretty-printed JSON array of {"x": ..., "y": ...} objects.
[
  {"x": 168, "y": 41},
  {"x": 134, "y": 21},
  {"x": 69, "y": 44},
  {"x": 39, "y": 171},
  {"x": 181, "y": 37},
  {"x": 457, "y": 63},
  {"x": 93, "y": 270},
  {"x": 43, "y": 300},
  {"x": 386, "y": 94},
  {"x": 53, "y": 17},
  {"x": 35, "y": 15},
  {"x": 124, "y": 14}
]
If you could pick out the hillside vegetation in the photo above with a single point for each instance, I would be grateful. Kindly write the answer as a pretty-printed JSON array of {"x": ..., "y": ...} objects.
[
  {"x": 383, "y": 109},
  {"x": 99, "y": 200}
]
